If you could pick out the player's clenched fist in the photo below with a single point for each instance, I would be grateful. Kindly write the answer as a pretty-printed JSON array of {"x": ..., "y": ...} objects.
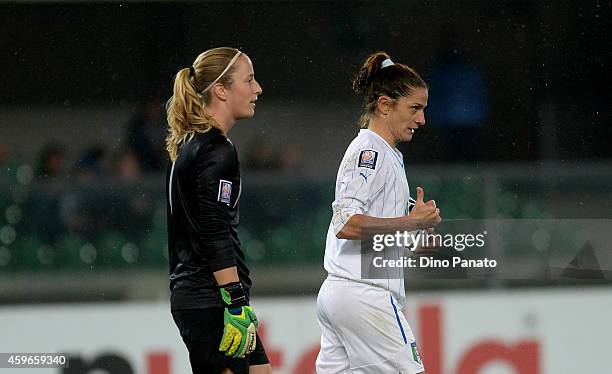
[
  {"x": 426, "y": 213},
  {"x": 239, "y": 335}
]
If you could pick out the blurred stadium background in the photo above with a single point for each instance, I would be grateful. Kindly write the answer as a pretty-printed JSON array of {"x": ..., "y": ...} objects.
[{"x": 518, "y": 127}]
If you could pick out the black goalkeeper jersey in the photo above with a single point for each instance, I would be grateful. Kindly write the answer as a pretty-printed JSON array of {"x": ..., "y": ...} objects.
[{"x": 203, "y": 188}]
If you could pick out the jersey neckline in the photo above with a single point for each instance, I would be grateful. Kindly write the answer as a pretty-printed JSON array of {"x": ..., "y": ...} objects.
[{"x": 395, "y": 150}]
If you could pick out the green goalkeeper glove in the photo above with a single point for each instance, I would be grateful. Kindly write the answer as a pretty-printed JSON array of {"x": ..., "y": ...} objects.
[{"x": 240, "y": 322}]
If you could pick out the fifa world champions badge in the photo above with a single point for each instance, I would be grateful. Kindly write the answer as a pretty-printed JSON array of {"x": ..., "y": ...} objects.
[
  {"x": 225, "y": 192},
  {"x": 367, "y": 159}
]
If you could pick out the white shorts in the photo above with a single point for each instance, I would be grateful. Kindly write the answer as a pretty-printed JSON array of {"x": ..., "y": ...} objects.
[{"x": 363, "y": 331}]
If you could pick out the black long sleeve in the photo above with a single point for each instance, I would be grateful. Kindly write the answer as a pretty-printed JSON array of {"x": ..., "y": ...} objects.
[{"x": 216, "y": 173}]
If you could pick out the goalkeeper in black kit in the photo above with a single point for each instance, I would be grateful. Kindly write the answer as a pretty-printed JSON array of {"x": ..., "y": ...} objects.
[{"x": 209, "y": 279}]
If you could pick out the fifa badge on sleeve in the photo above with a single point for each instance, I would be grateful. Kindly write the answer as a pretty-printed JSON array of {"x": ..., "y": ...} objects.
[
  {"x": 367, "y": 159},
  {"x": 225, "y": 192}
]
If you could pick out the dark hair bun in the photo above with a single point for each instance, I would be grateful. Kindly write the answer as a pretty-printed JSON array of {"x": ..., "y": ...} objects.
[{"x": 368, "y": 70}]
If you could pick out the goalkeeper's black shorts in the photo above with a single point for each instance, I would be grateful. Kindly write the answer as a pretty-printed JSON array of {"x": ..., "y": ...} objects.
[{"x": 201, "y": 330}]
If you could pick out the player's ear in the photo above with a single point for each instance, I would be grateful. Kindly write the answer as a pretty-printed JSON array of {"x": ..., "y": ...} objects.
[
  {"x": 219, "y": 91},
  {"x": 384, "y": 104}
]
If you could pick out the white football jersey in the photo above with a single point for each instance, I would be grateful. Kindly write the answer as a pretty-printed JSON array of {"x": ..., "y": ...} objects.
[{"x": 371, "y": 181}]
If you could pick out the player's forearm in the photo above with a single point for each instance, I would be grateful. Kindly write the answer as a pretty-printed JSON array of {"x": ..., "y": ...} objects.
[
  {"x": 227, "y": 275},
  {"x": 360, "y": 226}
]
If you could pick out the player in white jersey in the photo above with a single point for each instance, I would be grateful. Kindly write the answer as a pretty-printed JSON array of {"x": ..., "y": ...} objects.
[{"x": 360, "y": 312}]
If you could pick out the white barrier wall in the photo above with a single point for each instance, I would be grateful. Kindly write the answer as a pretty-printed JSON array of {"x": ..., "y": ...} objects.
[{"x": 517, "y": 332}]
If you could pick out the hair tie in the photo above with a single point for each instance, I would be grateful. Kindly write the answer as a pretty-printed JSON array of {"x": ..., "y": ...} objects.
[{"x": 386, "y": 63}]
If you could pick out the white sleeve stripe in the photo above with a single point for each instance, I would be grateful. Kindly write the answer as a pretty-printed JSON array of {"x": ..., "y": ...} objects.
[{"x": 170, "y": 187}]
